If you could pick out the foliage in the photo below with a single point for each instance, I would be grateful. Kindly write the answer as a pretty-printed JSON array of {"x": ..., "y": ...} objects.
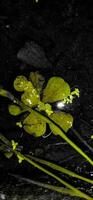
[
  {"x": 55, "y": 90},
  {"x": 36, "y": 110},
  {"x": 34, "y": 102}
]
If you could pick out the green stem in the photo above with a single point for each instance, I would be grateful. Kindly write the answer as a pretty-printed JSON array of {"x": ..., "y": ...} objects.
[
  {"x": 63, "y": 135},
  {"x": 76, "y": 191},
  {"x": 59, "y": 130},
  {"x": 82, "y": 140},
  {"x": 61, "y": 190},
  {"x": 61, "y": 169}
]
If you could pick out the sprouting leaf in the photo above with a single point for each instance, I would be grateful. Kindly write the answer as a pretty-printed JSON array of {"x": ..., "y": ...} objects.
[
  {"x": 14, "y": 144},
  {"x": 30, "y": 97},
  {"x": 8, "y": 154},
  {"x": 14, "y": 110},
  {"x": 45, "y": 107},
  {"x": 20, "y": 158},
  {"x": 37, "y": 80},
  {"x": 48, "y": 109},
  {"x": 22, "y": 84},
  {"x": 32, "y": 124},
  {"x": 19, "y": 124},
  {"x": 75, "y": 92},
  {"x": 41, "y": 106},
  {"x": 72, "y": 95},
  {"x": 56, "y": 89},
  {"x": 64, "y": 120}
]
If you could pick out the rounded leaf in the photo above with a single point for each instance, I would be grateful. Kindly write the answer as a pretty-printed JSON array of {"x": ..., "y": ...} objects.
[
  {"x": 30, "y": 97},
  {"x": 34, "y": 126},
  {"x": 14, "y": 110},
  {"x": 64, "y": 120},
  {"x": 56, "y": 89}
]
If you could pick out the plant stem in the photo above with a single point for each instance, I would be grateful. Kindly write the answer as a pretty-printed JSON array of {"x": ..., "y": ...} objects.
[
  {"x": 63, "y": 135},
  {"x": 48, "y": 186},
  {"x": 59, "y": 130},
  {"x": 4, "y": 140},
  {"x": 76, "y": 191},
  {"x": 82, "y": 140},
  {"x": 61, "y": 169}
]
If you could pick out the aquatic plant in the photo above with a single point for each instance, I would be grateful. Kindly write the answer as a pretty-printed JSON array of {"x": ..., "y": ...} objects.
[
  {"x": 11, "y": 147},
  {"x": 36, "y": 110},
  {"x": 36, "y": 101}
]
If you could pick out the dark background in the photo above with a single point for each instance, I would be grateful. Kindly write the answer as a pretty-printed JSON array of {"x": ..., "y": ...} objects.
[{"x": 64, "y": 31}]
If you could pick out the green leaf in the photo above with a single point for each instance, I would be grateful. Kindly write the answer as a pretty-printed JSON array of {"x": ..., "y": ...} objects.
[
  {"x": 64, "y": 120},
  {"x": 22, "y": 84},
  {"x": 14, "y": 110},
  {"x": 8, "y": 154},
  {"x": 30, "y": 97},
  {"x": 56, "y": 89},
  {"x": 37, "y": 80},
  {"x": 34, "y": 125}
]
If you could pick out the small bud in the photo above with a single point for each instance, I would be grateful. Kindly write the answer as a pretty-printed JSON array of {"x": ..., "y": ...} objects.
[{"x": 14, "y": 144}]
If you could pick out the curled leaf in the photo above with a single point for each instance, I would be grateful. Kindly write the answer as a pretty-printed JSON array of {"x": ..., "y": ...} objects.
[
  {"x": 64, "y": 120},
  {"x": 57, "y": 89},
  {"x": 32, "y": 124},
  {"x": 21, "y": 84}
]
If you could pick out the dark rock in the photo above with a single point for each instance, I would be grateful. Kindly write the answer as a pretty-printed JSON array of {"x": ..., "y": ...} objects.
[{"x": 34, "y": 55}]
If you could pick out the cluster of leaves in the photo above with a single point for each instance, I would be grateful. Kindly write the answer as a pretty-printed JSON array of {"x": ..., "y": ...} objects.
[
  {"x": 56, "y": 90},
  {"x": 35, "y": 107}
]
